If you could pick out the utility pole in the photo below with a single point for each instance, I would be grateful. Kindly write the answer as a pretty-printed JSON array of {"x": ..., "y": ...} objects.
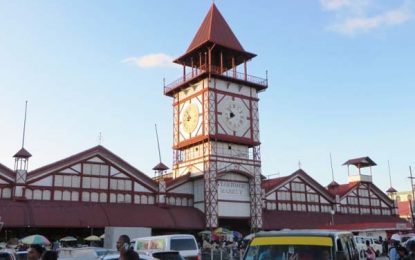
[{"x": 412, "y": 199}]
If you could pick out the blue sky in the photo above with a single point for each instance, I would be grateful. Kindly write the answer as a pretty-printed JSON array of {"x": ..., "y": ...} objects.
[{"x": 341, "y": 79}]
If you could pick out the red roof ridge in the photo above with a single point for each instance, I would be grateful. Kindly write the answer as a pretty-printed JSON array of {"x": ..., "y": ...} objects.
[{"x": 7, "y": 171}]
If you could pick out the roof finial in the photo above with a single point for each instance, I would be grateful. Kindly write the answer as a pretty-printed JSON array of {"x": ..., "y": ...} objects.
[
  {"x": 24, "y": 124},
  {"x": 389, "y": 171},
  {"x": 331, "y": 165},
  {"x": 299, "y": 165},
  {"x": 100, "y": 138}
]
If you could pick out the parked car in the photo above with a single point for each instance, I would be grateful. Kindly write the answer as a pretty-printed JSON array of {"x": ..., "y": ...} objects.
[
  {"x": 361, "y": 245},
  {"x": 302, "y": 244},
  {"x": 186, "y": 245},
  {"x": 85, "y": 253}
]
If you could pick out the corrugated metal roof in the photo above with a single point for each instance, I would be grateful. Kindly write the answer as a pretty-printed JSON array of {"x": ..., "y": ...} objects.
[{"x": 80, "y": 214}]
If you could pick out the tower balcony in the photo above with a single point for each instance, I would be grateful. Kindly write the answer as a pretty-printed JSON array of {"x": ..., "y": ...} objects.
[{"x": 216, "y": 72}]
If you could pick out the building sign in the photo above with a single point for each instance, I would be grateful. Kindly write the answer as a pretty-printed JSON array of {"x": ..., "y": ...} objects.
[{"x": 228, "y": 190}]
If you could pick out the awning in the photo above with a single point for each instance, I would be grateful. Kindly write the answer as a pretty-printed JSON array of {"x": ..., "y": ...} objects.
[
  {"x": 276, "y": 220},
  {"x": 82, "y": 215}
]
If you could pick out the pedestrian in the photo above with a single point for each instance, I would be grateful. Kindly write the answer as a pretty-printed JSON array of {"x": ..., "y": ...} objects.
[
  {"x": 402, "y": 253},
  {"x": 49, "y": 255},
  {"x": 369, "y": 252},
  {"x": 393, "y": 252},
  {"x": 385, "y": 247},
  {"x": 410, "y": 245},
  {"x": 35, "y": 252},
  {"x": 126, "y": 252}
]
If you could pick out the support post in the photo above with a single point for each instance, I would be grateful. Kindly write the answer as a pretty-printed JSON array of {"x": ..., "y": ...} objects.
[{"x": 245, "y": 71}]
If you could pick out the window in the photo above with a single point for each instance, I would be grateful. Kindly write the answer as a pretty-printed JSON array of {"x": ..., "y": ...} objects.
[
  {"x": 298, "y": 186},
  {"x": 375, "y": 202},
  {"x": 364, "y": 201},
  {"x": 58, "y": 195},
  {"x": 298, "y": 196},
  {"x": 96, "y": 169},
  {"x": 183, "y": 244},
  {"x": 283, "y": 195},
  {"x": 312, "y": 197},
  {"x": 85, "y": 196}
]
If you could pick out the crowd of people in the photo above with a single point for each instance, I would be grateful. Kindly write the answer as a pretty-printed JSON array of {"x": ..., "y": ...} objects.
[
  {"x": 233, "y": 249},
  {"x": 394, "y": 250}
]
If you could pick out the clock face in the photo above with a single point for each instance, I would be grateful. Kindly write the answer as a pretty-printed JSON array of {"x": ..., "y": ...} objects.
[
  {"x": 234, "y": 115},
  {"x": 190, "y": 118}
]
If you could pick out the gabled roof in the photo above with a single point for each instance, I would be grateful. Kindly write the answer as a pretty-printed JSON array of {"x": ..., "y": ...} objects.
[
  {"x": 22, "y": 153},
  {"x": 94, "y": 151},
  {"x": 271, "y": 184},
  {"x": 361, "y": 162},
  {"x": 343, "y": 189},
  {"x": 7, "y": 173},
  {"x": 215, "y": 29},
  {"x": 332, "y": 185}
]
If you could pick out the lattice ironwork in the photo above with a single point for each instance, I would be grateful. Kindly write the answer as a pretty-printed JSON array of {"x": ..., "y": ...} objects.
[
  {"x": 211, "y": 188},
  {"x": 162, "y": 192},
  {"x": 255, "y": 112},
  {"x": 256, "y": 193},
  {"x": 176, "y": 124}
]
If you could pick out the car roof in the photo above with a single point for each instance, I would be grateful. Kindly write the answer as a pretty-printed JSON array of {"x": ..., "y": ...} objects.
[
  {"x": 305, "y": 232},
  {"x": 165, "y": 236}
]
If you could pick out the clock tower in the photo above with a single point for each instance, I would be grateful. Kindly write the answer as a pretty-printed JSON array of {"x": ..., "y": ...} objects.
[{"x": 216, "y": 124}]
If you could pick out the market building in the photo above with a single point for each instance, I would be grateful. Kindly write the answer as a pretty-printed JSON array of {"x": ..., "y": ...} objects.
[{"x": 216, "y": 177}]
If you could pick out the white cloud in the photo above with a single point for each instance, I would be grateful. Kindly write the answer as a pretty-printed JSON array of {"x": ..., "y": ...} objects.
[
  {"x": 358, "y": 16},
  {"x": 334, "y": 4},
  {"x": 354, "y": 25},
  {"x": 151, "y": 60}
]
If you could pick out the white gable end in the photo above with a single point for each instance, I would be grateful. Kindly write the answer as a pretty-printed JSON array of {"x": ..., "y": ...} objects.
[
  {"x": 96, "y": 159},
  {"x": 186, "y": 188},
  {"x": 43, "y": 182},
  {"x": 140, "y": 188}
]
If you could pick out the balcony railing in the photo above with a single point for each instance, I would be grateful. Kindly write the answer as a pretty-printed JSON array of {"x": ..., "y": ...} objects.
[{"x": 232, "y": 74}]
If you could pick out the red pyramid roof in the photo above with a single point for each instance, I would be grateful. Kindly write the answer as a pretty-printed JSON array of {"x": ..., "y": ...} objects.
[
  {"x": 391, "y": 189},
  {"x": 215, "y": 29},
  {"x": 22, "y": 153},
  {"x": 361, "y": 162},
  {"x": 160, "y": 167}
]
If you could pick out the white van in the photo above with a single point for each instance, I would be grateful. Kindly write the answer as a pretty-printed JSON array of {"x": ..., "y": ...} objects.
[{"x": 185, "y": 244}]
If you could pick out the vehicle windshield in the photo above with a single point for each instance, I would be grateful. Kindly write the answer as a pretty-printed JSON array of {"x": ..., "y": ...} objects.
[
  {"x": 289, "y": 248},
  {"x": 180, "y": 244}
]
